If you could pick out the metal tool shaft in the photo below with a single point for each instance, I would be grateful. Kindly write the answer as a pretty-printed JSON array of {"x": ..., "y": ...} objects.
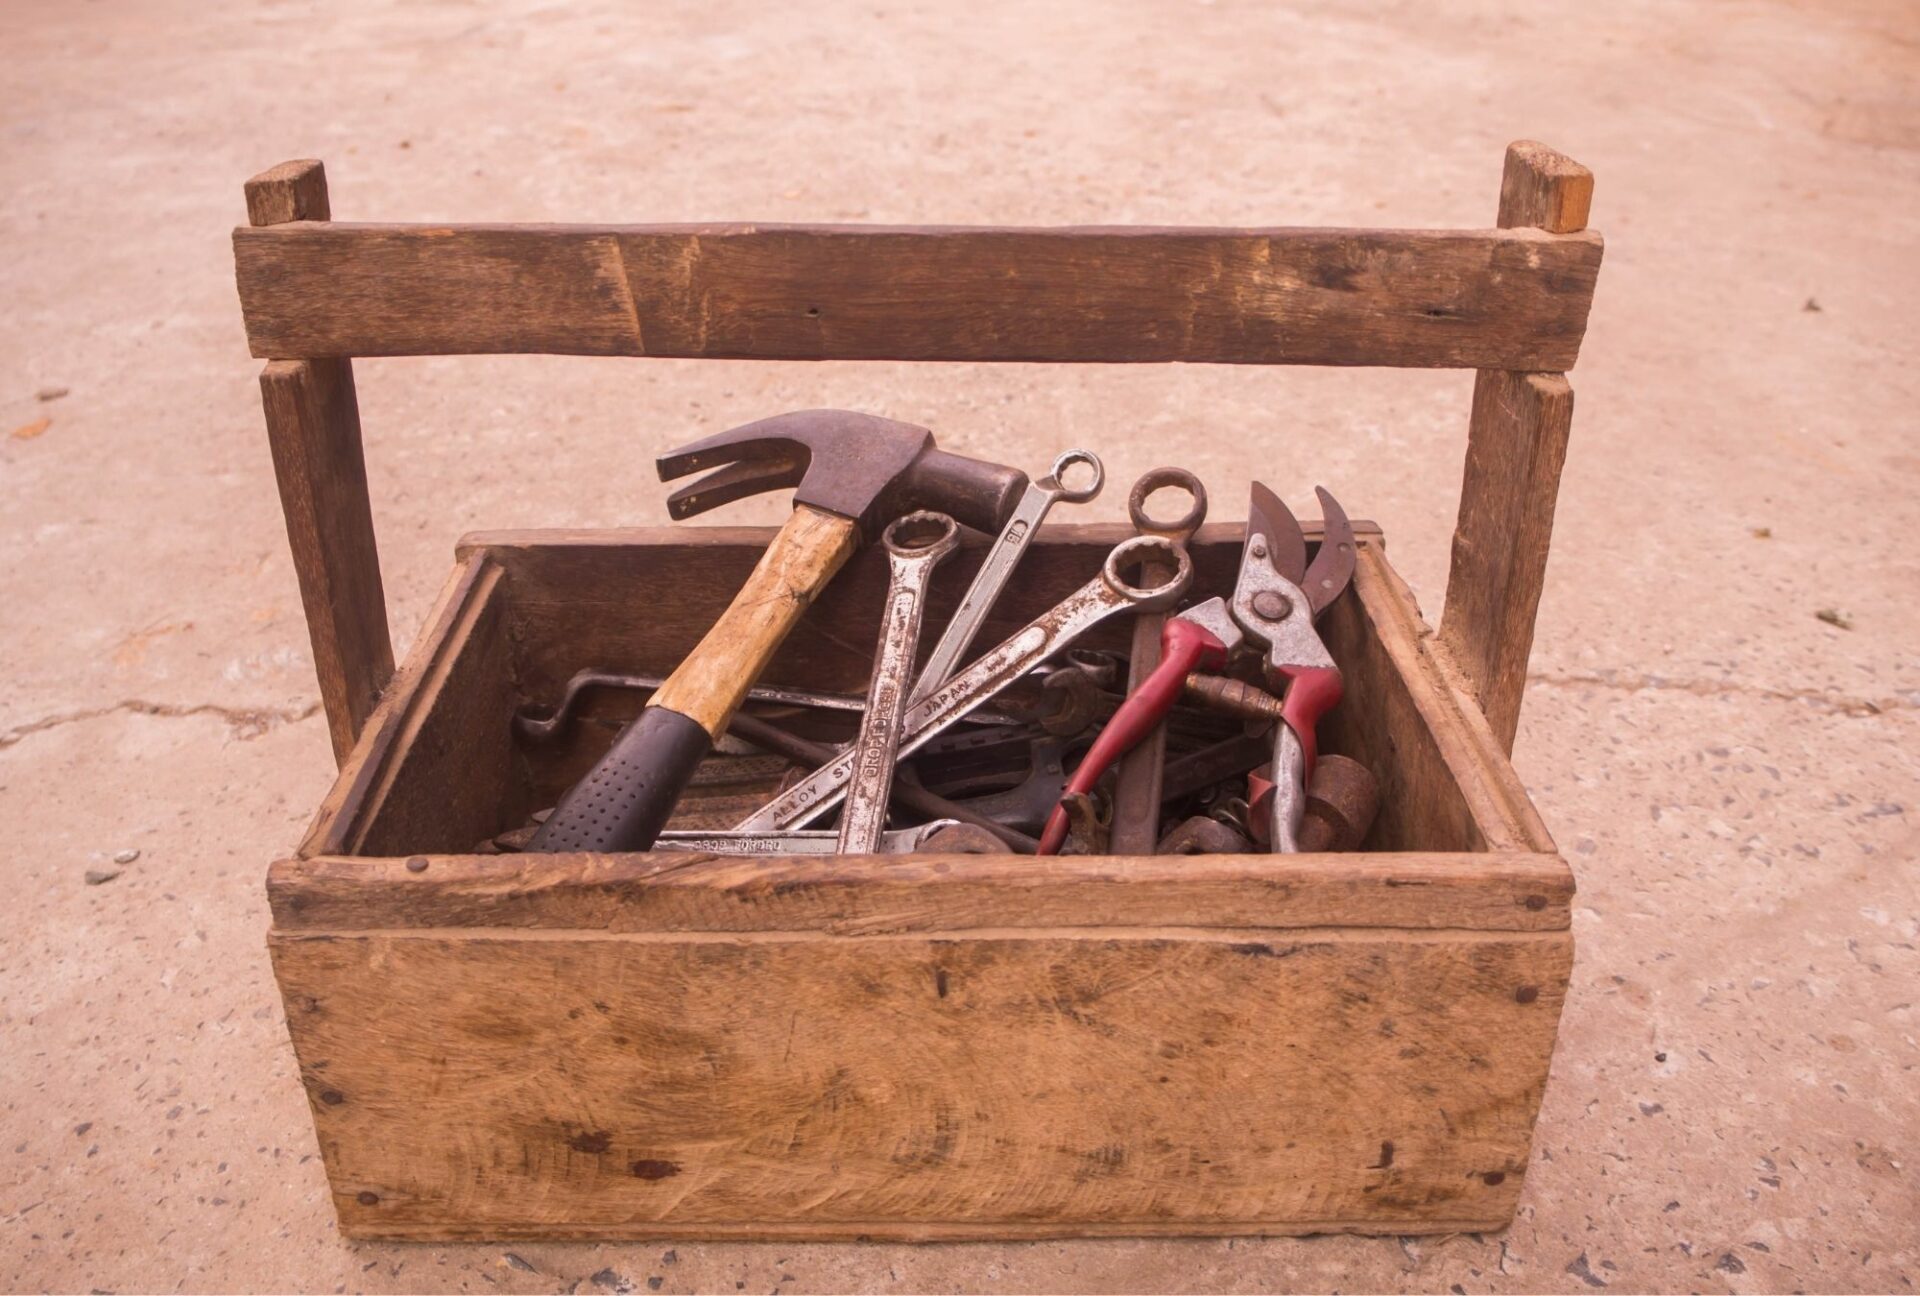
[
  {"x": 915, "y": 545},
  {"x": 897, "y": 841},
  {"x": 1102, "y": 597},
  {"x": 537, "y": 726},
  {"x": 1139, "y": 778},
  {"x": 995, "y": 569}
]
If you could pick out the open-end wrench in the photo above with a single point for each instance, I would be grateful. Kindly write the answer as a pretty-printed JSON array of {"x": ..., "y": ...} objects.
[
  {"x": 915, "y": 545},
  {"x": 1137, "y": 783},
  {"x": 1039, "y": 497},
  {"x": 894, "y": 841},
  {"x": 1102, "y": 597}
]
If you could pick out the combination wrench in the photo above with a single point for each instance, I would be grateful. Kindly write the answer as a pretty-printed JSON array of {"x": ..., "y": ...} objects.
[
  {"x": 915, "y": 545},
  {"x": 1035, "y": 502},
  {"x": 1103, "y": 596}
]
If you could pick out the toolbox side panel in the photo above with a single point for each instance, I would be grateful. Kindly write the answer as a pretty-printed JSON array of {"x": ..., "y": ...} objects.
[
  {"x": 436, "y": 769},
  {"x": 1445, "y": 782},
  {"x": 483, "y": 1083}
]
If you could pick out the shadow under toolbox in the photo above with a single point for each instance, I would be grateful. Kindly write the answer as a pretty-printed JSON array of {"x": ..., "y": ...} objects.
[{"x": 967, "y": 1046}]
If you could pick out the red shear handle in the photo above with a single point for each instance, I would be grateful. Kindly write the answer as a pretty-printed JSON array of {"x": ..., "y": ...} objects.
[
  {"x": 1185, "y": 647},
  {"x": 1312, "y": 691}
]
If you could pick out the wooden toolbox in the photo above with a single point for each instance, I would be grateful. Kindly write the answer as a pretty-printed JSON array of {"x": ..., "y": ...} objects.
[{"x": 582, "y": 1046}]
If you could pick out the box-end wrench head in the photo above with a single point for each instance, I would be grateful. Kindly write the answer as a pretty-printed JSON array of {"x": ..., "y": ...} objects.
[
  {"x": 1105, "y": 595},
  {"x": 995, "y": 569},
  {"x": 915, "y": 545}
]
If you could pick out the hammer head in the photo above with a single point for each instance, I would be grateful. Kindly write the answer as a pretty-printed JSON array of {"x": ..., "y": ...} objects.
[{"x": 854, "y": 465}]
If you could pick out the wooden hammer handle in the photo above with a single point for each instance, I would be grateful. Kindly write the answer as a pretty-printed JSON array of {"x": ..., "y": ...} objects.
[
  {"x": 629, "y": 794},
  {"x": 711, "y": 683}
]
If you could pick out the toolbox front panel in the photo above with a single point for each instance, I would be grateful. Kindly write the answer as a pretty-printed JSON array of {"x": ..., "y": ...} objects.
[{"x": 497, "y": 1083}]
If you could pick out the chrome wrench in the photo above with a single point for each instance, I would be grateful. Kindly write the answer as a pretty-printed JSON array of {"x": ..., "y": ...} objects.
[
  {"x": 915, "y": 545},
  {"x": 895, "y": 841},
  {"x": 1039, "y": 497},
  {"x": 1054, "y": 629}
]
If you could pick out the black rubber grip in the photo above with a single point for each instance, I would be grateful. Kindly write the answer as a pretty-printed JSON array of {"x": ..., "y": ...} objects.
[{"x": 626, "y": 799}]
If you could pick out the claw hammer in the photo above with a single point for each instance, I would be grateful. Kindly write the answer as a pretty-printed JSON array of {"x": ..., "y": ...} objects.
[{"x": 852, "y": 473}]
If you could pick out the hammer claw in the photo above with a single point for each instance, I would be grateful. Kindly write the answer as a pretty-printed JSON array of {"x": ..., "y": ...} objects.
[{"x": 735, "y": 481}]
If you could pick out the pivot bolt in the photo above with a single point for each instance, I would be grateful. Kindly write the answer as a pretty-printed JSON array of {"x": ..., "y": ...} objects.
[{"x": 1271, "y": 605}]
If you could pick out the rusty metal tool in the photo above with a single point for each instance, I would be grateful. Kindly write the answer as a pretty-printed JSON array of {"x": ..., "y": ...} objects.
[
  {"x": 1204, "y": 835},
  {"x": 852, "y": 473},
  {"x": 1027, "y": 803},
  {"x": 1342, "y": 798},
  {"x": 537, "y": 725},
  {"x": 1199, "y": 639},
  {"x": 915, "y": 545},
  {"x": 1276, "y": 599},
  {"x": 808, "y": 753},
  {"x": 894, "y": 841},
  {"x": 1105, "y": 595},
  {"x": 1216, "y": 763},
  {"x": 1137, "y": 786},
  {"x": 963, "y": 839},
  {"x": 1035, "y": 502}
]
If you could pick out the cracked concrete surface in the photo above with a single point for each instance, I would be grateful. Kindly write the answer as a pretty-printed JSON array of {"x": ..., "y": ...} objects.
[{"x": 1734, "y": 1102}]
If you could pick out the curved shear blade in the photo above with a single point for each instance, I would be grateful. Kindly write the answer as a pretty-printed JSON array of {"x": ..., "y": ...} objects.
[
  {"x": 1332, "y": 567},
  {"x": 1285, "y": 544}
]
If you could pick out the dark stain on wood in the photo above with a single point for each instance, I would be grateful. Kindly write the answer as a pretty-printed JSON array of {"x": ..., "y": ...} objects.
[
  {"x": 650, "y": 1169},
  {"x": 596, "y": 1141}
]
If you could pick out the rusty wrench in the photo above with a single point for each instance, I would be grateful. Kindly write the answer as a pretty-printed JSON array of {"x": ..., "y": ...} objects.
[
  {"x": 915, "y": 545},
  {"x": 1035, "y": 502},
  {"x": 1136, "y": 790},
  {"x": 1054, "y": 629}
]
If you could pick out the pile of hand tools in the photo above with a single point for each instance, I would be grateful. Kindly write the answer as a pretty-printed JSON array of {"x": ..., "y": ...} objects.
[{"x": 1202, "y": 739}]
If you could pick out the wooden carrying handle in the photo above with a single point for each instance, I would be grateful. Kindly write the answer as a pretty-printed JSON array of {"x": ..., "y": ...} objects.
[
  {"x": 627, "y": 797},
  {"x": 1516, "y": 303},
  {"x": 1516, "y": 445}
]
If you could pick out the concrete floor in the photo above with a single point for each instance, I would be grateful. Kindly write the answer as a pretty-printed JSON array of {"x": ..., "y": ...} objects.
[{"x": 1735, "y": 1102}]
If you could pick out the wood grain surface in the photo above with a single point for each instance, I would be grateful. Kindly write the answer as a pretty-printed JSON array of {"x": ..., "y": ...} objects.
[
  {"x": 791, "y": 569},
  {"x": 865, "y": 895},
  {"x": 928, "y": 1047},
  {"x": 1521, "y": 423},
  {"x": 1517, "y": 436},
  {"x": 1510, "y": 299},
  {"x": 487, "y": 1084},
  {"x": 313, "y": 429}
]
